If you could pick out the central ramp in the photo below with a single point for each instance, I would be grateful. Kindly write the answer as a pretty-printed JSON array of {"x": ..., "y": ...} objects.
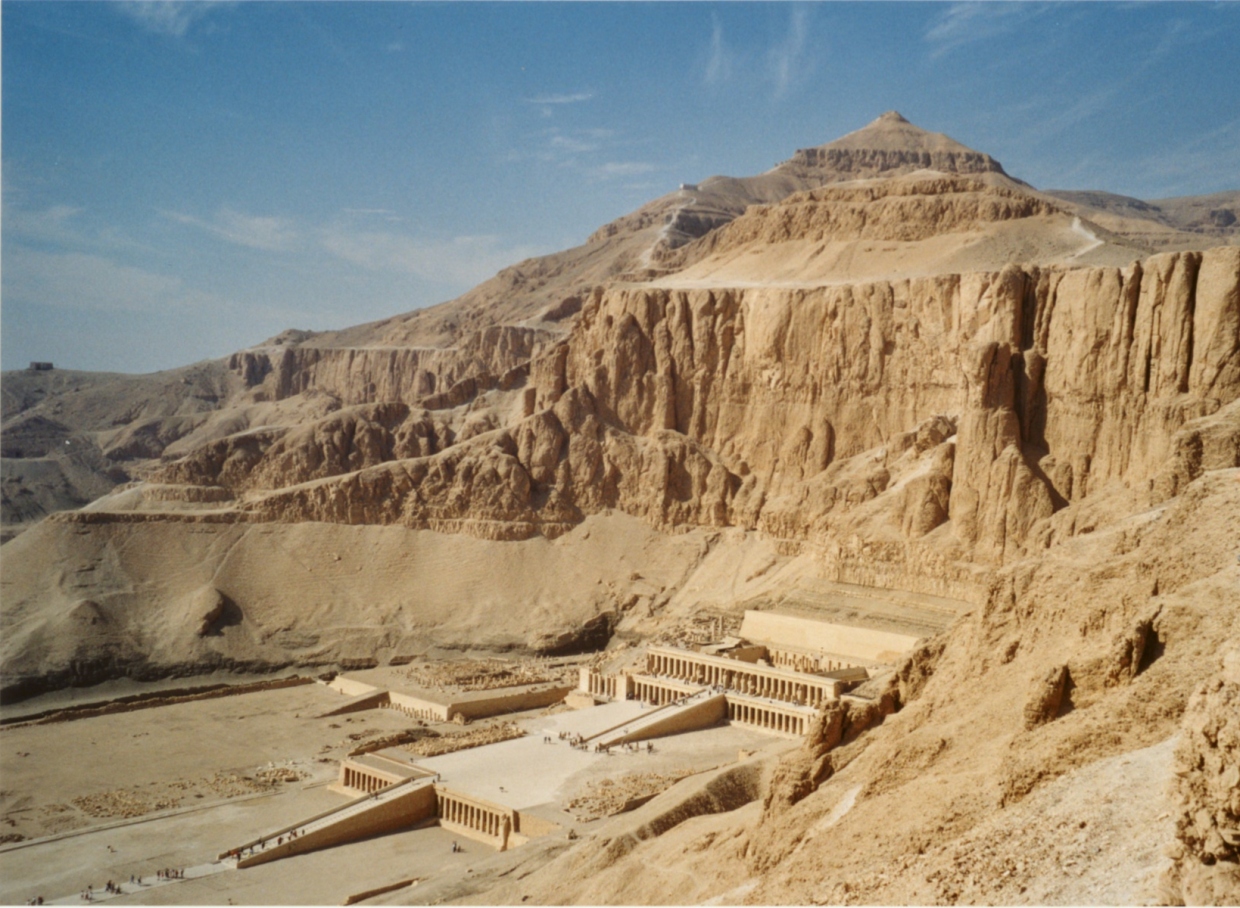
[
  {"x": 703, "y": 709},
  {"x": 398, "y": 806}
]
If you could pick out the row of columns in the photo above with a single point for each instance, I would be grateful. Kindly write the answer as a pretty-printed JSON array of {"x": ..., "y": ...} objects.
[
  {"x": 656, "y": 693},
  {"x": 486, "y": 821},
  {"x": 739, "y": 678},
  {"x": 411, "y": 712},
  {"x": 800, "y": 662},
  {"x": 602, "y": 685},
  {"x": 363, "y": 781},
  {"x": 771, "y": 719}
]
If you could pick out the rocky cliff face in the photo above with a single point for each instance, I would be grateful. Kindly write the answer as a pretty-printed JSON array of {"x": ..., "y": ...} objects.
[
  {"x": 979, "y": 404},
  {"x": 436, "y": 377}
]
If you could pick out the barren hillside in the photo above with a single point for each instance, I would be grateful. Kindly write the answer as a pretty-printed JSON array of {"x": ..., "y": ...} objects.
[{"x": 884, "y": 362}]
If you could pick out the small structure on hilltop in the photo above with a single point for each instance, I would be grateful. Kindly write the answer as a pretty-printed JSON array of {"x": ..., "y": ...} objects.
[{"x": 39, "y": 367}]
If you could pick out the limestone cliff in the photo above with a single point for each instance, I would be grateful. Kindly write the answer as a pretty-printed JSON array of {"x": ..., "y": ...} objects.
[{"x": 751, "y": 407}]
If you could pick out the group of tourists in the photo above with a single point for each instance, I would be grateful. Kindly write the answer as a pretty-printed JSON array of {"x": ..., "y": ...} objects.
[
  {"x": 633, "y": 747},
  {"x": 239, "y": 853},
  {"x": 110, "y": 888},
  {"x": 580, "y": 743}
]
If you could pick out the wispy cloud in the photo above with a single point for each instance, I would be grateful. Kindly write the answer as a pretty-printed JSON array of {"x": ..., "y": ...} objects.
[
  {"x": 719, "y": 56},
  {"x": 787, "y": 60},
  {"x": 63, "y": 227},
  {"x": 365, "y": 237},
  {"x": 624, "y": 168},
  {"x": 79, "y": 280},
  {"x": 462, "y": 260},
  {"x": 168, "y": 17},
  {"x": 571, "y": 144},
  {"x": 783, "y": 64},
  {"x": 54, "y": 224},
  {"x": 573, "y": 98},
  {"x": 964, "y": 23},
  {"x": 271, "y": 234},
  {"x": 568, "y": 148},
  {"x": 386, "y": 214},
  {"x": 1197, "y": 165}
]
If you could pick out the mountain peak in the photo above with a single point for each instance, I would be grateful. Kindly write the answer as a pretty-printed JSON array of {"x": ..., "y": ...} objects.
[
  {"x": 889, "y": 146},
  {"x": 891, "y": 116}
]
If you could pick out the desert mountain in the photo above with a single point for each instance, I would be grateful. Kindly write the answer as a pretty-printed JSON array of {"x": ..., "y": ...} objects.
[
  {"x": 122, "y": 427},
  {"x": 884, "y": 362}
]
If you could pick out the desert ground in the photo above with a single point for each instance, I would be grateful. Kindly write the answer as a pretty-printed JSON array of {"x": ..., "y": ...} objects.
[{"x": 132, "y": 793}]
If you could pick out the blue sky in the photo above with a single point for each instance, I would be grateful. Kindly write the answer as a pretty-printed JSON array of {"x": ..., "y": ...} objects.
[{"x": 181, "y": 180}]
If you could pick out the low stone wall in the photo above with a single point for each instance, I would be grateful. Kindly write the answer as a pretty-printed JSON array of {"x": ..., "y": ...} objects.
[
  {"x": 418, "y": 708},
  {"x": 370, "y": 700},
  {"x": 860, "y": 642},
  {"x": 511, "y": 702},
  {"x": 148, "y": 701},
  {"x": 350, "y": 687}
]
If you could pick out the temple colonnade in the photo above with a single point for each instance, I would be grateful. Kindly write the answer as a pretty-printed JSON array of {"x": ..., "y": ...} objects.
[
  {"x": 363, "y": 779},
  {"x": 743, "y": 677},
  {"x": 768, "y": 717},
  {"x": 600, "y": 685},
  {"x": 490, "y": 820}
]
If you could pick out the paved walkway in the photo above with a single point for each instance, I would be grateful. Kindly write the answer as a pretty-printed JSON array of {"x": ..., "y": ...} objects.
[
  {"x": 148, "y": 882},
  {"x": 525, "y": 772}
]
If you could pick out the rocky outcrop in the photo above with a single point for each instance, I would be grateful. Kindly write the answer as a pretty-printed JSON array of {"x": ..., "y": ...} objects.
[
  {"x": 1207, "y": 786},
  {"x": 896, "y": 210},
  {"x": 346, "y": 441},
  {"x": 1046, "y": 697},
  {"x": 871, "y": 162},
  {"x": 409, "y": 375},
  {"x": 892, "y": 145}
]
